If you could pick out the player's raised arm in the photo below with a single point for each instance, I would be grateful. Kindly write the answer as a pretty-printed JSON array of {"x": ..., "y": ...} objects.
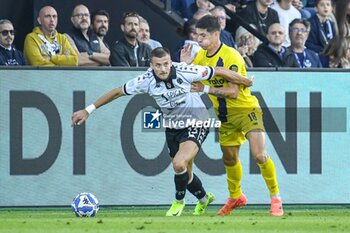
[
  {"x": 231, "y": 91},
  {"x": 233, "y": 77},
  {"x": 80, "y": 116}
]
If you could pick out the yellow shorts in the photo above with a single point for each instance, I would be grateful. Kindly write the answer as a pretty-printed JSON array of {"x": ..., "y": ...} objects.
[{"x": 232, "y": 132}]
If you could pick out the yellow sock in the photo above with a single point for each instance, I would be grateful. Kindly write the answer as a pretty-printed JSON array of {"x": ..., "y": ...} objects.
[
  {"x": 268, "y": 172},
  {"x": 234, "y": 177}
]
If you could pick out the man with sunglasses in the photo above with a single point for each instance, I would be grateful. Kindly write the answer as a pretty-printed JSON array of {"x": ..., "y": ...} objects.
[
  {"x": 128, "y": 51},
  {"x": 44, "y": 46},
  {"x": 9, "y": 55}
]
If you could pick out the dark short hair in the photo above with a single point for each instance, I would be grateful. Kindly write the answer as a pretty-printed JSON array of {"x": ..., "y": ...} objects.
[
  {"x": 301, "y": 21},
  {"x": 188, "y": 26},
  {"x": 210, "y": 23},
  {"x": 99, "y": 12},
  {"x": 130, "y": 14},
  {"x": 160, "y": 52}
]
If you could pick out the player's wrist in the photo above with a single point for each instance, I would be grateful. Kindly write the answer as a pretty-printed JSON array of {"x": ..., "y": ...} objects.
[
  {"x": 206, "y": 89},
  {"x": 90, "y": 108},
  {"x": 90, "y": 54}
]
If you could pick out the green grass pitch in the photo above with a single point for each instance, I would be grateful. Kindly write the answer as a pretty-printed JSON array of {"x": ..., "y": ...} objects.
[{"x": 301, "y": 218}]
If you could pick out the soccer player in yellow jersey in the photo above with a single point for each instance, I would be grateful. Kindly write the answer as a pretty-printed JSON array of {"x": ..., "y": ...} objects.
[{"x": 239, "y": 112}]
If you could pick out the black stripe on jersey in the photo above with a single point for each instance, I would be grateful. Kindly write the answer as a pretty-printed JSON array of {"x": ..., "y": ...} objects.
[
  {"x": 211, "y": 72},
  {"x": 124, "y": 90}
]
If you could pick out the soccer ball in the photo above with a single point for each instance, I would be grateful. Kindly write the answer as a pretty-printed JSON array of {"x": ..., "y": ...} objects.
[{"x": 85, "y": 205}]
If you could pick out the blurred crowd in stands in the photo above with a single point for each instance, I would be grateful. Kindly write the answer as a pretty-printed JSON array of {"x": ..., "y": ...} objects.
[{"x": 267, "y": 33}]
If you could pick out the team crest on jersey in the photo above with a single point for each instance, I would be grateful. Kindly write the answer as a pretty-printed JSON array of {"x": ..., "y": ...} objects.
[
  {"x": 234, "y": 68},
  {"x": 169, "y": 85},
  {"x": 179, "y": 81}
]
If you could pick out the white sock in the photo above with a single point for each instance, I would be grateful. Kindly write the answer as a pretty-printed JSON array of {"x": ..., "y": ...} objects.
[
  {"x": 276, "y": 196},
  {"x": 203, "y": 199}
]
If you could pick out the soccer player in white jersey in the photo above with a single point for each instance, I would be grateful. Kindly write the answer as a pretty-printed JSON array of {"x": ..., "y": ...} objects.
[{"x": 169, "y": 83}]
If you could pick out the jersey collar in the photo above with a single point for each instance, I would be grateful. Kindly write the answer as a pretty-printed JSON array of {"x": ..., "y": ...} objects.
[{"x": 215, "y": 51}]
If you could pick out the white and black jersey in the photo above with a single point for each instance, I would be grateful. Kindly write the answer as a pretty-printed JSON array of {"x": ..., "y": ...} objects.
[{"x": 174, "y": 95}]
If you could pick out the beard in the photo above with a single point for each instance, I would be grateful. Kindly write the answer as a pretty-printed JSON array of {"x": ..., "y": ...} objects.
[
  {"x": 83, "y": 25},
  {"x": 144, "y": 39},
  {"x": 131, "y": 34},
  {"x": 102, "y": 31}
]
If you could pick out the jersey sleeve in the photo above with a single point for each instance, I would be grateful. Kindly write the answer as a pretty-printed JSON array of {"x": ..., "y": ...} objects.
[
  {"x": 138, "y": 85},
  {"x": 195, "y": 72},
  {"x": 204, "y": 73},
  {"x": 235, "y": 62}
]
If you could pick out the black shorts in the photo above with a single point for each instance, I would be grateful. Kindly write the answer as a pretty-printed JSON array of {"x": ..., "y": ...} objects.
[{"x": 176, "y": 136}]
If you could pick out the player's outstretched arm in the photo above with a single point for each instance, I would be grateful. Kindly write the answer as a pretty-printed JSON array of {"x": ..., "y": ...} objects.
[
  {"x": 233, "y": 76},
  {"x": 231, "y": 91},
  {"x": 80, "y": 116}
]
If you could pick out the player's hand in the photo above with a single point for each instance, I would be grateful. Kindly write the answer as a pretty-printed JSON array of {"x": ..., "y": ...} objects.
[
  {"x": 243, "y": 50},
  {"x": 197, "y": 87},
  {"x": 249, "y": 81},
  {"x": 186, "y": 54},
  {"x": 79, "y": 117}
]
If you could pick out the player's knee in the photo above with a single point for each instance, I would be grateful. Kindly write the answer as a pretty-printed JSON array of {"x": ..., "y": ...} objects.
[
  {"x": 229, "y": 160},
  {"x": 260, "y": 158},
  {"x": 179, "y": 166}
]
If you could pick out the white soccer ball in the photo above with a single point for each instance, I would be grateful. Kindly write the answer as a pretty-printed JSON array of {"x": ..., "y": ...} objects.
[{"x": 85, "y": 205}]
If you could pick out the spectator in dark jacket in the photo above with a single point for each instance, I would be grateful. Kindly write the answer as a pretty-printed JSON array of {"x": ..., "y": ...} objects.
[
  {"x": 260, "y": 14},
  {"x": 87, "y": 44},
  {"x": 9, "y": 55},
  {"x": 297, "y": 55},
  {"x": 271, "y": 54},
  {"x": 322, "y": 28},
  {"x": 129, "y": 51},
  {"x": 190, "y": 37}
]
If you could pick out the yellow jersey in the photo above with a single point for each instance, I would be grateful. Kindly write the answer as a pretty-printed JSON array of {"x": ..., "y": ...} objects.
[
  {"x": 230, "y": 58},
  {"x": 36, "y": 48}
]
